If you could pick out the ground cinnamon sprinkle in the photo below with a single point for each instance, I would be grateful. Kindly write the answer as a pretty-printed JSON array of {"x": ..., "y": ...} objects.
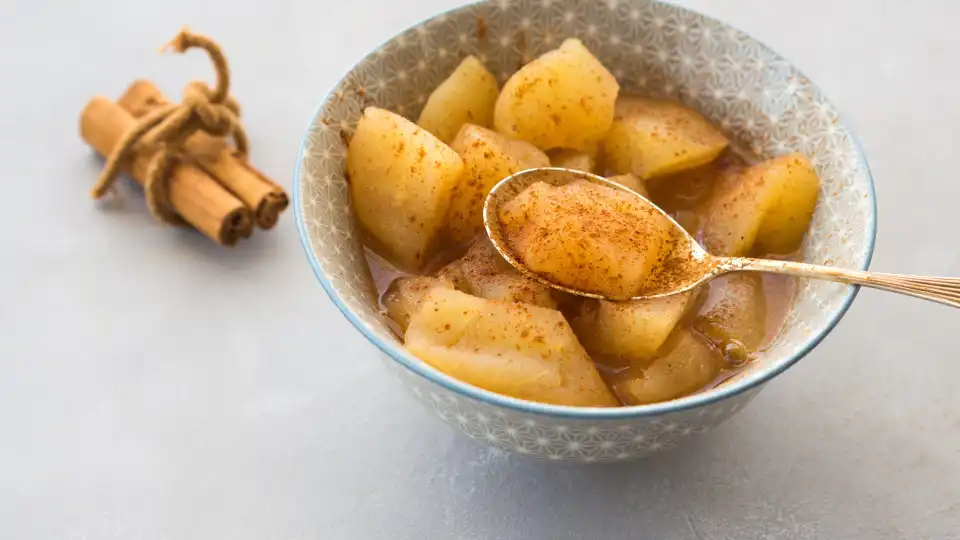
[
  {"x": 526, "y": 86},
  {"x": 585, "y": 236},
  {"x": 481, "y": 28},
  {"x": 676, "y": 268}
]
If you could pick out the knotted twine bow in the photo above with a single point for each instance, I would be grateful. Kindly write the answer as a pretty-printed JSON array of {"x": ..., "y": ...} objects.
[{"x": 168, "y": 128}]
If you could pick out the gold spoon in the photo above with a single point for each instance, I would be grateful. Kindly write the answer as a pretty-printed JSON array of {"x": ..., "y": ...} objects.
[{"x": 689, "y": 264}]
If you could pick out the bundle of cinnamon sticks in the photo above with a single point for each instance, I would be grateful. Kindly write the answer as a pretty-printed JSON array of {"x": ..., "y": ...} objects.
[{"x": 210, "y": 187}]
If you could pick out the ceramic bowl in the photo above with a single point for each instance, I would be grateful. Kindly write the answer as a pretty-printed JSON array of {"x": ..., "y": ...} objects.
[{"x": 759, "y": 99}]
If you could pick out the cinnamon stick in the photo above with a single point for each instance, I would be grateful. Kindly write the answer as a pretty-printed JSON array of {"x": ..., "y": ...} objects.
[
  {"x": 265, "y": 198},
  {"x": 197, "y": 198}
]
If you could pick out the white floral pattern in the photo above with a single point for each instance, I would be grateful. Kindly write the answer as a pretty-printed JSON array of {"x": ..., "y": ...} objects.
[
  {"x": 559, "y": 438},
  {"x": 759, "y": 99}
]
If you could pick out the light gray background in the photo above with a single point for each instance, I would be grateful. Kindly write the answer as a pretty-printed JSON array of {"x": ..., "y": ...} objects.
[{"x": 155, "y": 386}]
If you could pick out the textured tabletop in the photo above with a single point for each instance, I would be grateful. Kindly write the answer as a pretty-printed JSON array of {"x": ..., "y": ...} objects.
[{"x": 155, "y": 386}]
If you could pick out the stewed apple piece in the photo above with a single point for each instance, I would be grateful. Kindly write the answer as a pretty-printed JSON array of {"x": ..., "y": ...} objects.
[
  {"x": 563, "y": 99},
  {"x": 515, "y": 349},
  {"x": 652, "y": 138},
  {"x": 402, "y": 298},
  {"x": 768, "y": 205},
  {"x": 788, "y": 219},
  {"x": 687, "y": 364},
  {"x": 467, "y": 96},
  {"x": 488, "y": 157},
  {"x": 585, "y": 236},
  {"x": 572, "y": 159},
  {"x": 483, "y": 272},
  {"x": 401, "y": 179},
  {"x": 631, "y": 331},
  {"x": 734, "y": 314},
  {"x": 631, "y": 182}
]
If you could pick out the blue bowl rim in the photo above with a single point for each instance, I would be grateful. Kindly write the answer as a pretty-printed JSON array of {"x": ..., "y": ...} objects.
[{"x": 721, "y": 393}]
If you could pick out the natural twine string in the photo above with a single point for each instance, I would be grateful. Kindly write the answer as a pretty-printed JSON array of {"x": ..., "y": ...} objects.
[{"x": 168, "y": 128}]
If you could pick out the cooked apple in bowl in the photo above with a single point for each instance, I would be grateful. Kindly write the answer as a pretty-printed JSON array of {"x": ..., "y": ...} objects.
[{"x": 418, "y": 191}]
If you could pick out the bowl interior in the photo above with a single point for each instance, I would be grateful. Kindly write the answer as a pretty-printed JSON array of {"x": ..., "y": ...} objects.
[{"x": 759, "y": 99}]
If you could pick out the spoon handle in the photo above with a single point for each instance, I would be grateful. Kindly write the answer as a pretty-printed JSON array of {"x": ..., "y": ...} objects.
[{"x": 937, "y": 289}]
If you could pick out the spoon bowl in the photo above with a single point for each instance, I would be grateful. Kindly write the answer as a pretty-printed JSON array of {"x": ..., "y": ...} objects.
[
  {"x": 686, "y": 264},
  {"x": 689, "y": 263}
]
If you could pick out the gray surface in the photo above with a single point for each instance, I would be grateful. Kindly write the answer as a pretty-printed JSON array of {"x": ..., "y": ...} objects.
[{"x": 155, "y": 386}]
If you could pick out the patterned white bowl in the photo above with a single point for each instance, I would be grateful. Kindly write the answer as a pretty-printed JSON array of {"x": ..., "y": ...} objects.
[{"x": 657, "y": 49}]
